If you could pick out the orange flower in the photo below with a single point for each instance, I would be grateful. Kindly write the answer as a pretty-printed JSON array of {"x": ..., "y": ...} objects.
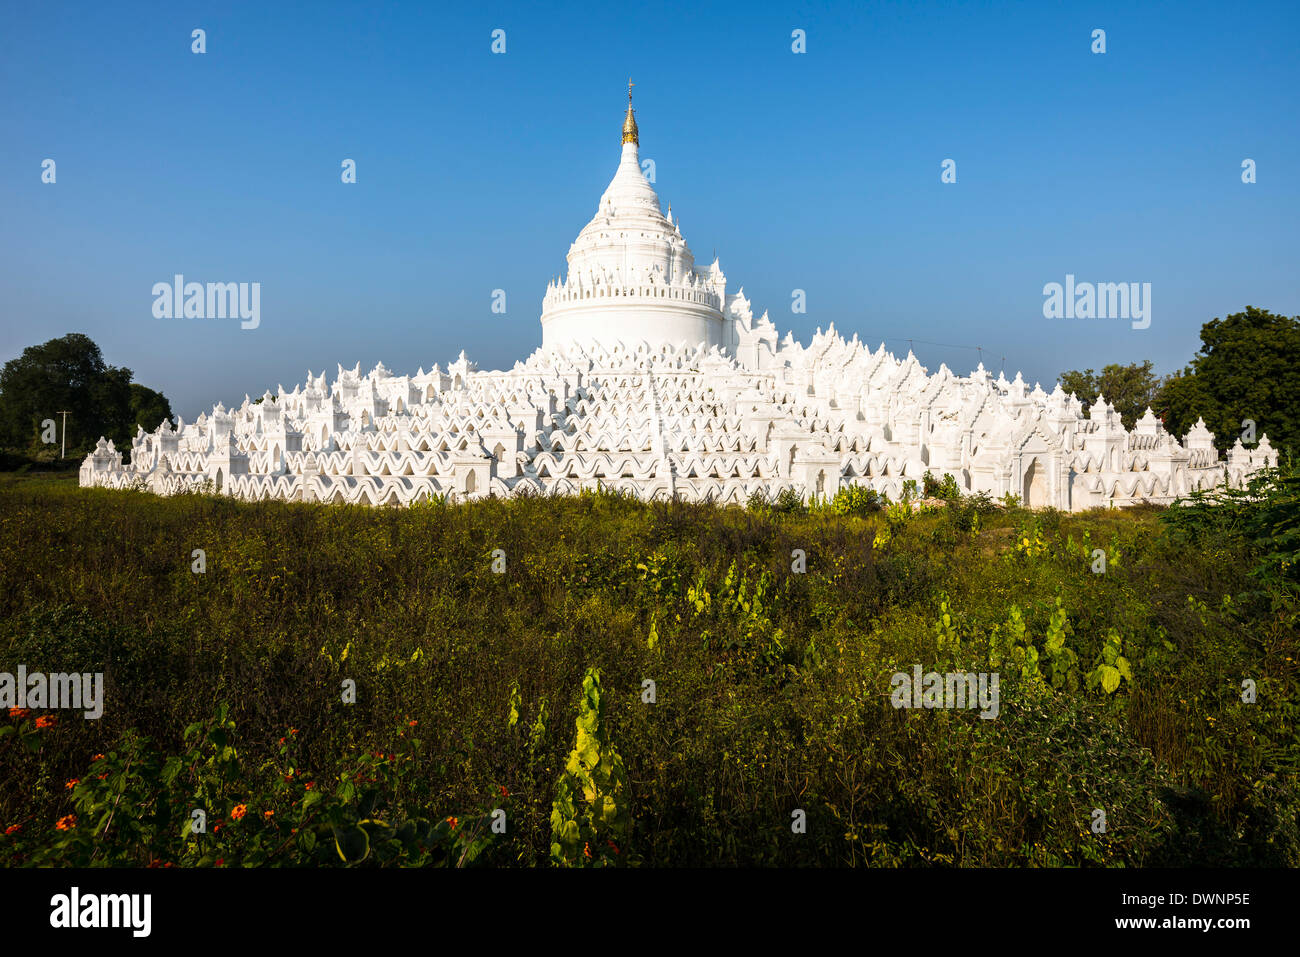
[
  {"x": 239, "y": 811},
  {"x": 267, "y": 814},
  {"x": 453, "y": 822},
  {"x": 19, "y": 712},
  {"x": 220, "y": 861},
  {"x": 293, "y": 730},
  {"x": 98, "y": 757},
  {"x": 46, "y": 721},
  {"x": 72, "y": 784},
  {"x": 12, "y": 828},
  {"x": 309, "y": 785},
  {"x": 586, "y": 849},
  {"x": 412, "y": 724},
  {"x": 613, "y": 845},
  {"x": 66, "y": 823}
]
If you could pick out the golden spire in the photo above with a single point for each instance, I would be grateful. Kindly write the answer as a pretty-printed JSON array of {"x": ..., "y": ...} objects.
[{"x": 629, "y": 124}]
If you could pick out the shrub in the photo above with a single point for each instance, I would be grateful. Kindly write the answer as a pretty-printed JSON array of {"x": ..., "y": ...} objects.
[{"x": 773, "y": 678}]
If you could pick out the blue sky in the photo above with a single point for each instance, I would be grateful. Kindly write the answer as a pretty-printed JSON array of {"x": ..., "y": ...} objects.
[{"x": 816, "y": 171}]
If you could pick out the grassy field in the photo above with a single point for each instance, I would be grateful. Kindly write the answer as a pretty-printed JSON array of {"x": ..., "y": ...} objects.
[{"x": 498, "y": 653}]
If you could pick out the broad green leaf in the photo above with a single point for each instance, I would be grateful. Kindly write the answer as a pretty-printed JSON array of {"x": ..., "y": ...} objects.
[{"x": 1109, "y": 678}]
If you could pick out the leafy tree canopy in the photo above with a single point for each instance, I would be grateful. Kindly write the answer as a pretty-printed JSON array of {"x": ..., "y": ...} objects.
[
  {"x": 70, "y": 374},
  {"x": 1129, "y": 388},
  {"x": 149, "y": 408},
  {"x": 1248, "y": 368}
]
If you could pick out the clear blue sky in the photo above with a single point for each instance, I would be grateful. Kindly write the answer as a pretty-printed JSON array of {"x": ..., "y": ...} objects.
[{"x": 476, "y": 171}]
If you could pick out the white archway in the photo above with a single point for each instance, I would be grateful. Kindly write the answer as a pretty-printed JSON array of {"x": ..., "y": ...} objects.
[{"x": 1034, "y": 492}]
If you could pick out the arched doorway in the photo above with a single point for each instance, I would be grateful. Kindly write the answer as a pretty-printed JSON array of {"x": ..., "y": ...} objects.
[
  {"x": 1035, "y": 485},
  {"x": 471, "y": 483}
]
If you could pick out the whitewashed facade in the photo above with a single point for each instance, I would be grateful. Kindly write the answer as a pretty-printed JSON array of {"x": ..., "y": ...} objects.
[{"x": 653, "y": 379}]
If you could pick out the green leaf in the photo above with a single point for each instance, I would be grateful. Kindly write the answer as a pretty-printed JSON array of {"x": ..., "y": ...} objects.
[
  {"x": 352, "y": 844},
  {"x": 1124, "y": 669},
  {"x": 172, "y": 769},
  {"x": 1109, "y": 678}
]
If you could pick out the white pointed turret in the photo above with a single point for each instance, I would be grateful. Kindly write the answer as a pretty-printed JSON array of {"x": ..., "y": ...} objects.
[{"x": 631, "y": 276}]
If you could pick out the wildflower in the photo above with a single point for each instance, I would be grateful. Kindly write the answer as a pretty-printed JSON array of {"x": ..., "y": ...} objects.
[
  {"x": 586, "y": 849},
  {"x": 13, "y": 828},
  {"x": 239, "y": 811},
  {"x": 98, "y": 757},
  {"x": 613, "y": 845},
  {"x": 220, "y": 861},
  {"x": 412, "y": 724},
  {"x": 268, "y": 814},
  {"x": 217, "y": 827},
  {"x": 309, "y": 785},
  {"x": 19, "y": 712},
  {"x": 66, "y": 823},
  {"x": 504, "y": 792},
  {"x": 102, "y": 776},
  {"x": 46, "y": 721},
  {"x": 72, "y": 784},
  {"x": 293, "y": 730},
  {"x": 452, "y": 822}
]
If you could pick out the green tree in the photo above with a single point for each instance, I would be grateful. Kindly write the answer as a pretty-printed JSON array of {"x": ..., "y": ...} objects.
[
  {"x": 69, "y": 373},
  {"x": 1248, "y": 367},
  {"x": 149, "y": 408},
  {"x": 1129, "y": 388}
]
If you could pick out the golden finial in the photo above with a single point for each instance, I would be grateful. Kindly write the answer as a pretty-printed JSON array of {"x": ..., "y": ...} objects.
[{"x": 629, "y": 124}]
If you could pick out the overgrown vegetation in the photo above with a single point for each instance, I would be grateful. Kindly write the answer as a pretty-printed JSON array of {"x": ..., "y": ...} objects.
[{"x": 504, "y": 719}]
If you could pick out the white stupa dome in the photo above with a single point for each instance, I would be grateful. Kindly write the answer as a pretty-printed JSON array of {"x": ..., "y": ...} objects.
[{"x": 631, "y": 276}]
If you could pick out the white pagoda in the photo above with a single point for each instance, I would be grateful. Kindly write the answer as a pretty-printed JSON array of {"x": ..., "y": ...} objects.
[{"x": 653, "y": 379}]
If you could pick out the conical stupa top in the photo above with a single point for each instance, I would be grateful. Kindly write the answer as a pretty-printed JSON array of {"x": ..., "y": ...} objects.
[{"x": 629, "y": 123}]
